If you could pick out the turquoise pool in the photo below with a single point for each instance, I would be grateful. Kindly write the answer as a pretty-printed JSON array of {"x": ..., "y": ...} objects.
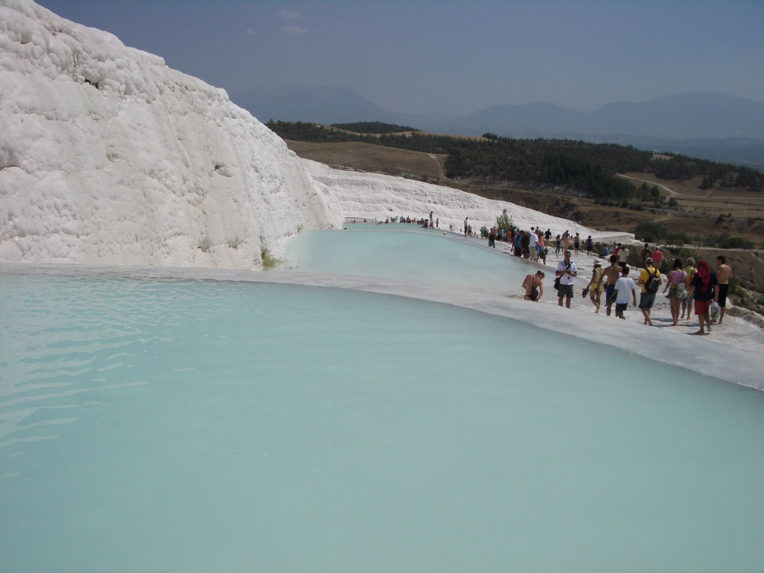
[{"x": 186, "y": 425}]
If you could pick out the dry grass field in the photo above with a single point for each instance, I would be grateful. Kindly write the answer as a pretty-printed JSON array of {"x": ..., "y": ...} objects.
[
  {"x": 374, "y": 158},
  {"x": 736, "y": 204}
]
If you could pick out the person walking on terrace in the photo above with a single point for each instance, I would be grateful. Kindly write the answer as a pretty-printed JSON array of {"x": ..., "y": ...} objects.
[
  {"x": 623, "y": 286},
  {"x": 723, "y": 275},
  {"x": 703, "y": 288},
  {"x": 567, "y": 271},
  {"x": 651, "y": 280},
  {"x": 677, "y": 291},
  {"x": 596, "y": 285},
  {"x": 612, "y": 274},
  {"x": 657, "y": 257},
  {"x": 687, "y": 303}
]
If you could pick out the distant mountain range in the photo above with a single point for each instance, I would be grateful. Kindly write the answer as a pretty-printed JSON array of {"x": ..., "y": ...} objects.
[
  {"x": 715, "y": 126},
  {"x": 292, "y": 102}
]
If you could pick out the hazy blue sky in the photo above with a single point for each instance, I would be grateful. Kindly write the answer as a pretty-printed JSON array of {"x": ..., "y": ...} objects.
[{"x": 453, "y": 57}]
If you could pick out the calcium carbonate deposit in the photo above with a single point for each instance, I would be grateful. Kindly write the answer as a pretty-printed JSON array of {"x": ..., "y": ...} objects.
[{"x": 109, "y": 157}]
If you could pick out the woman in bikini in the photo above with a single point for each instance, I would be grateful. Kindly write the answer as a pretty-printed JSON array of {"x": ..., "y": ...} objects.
[
  {"x": 676, "y": 289},
  {"x": 596, "y": 286}
]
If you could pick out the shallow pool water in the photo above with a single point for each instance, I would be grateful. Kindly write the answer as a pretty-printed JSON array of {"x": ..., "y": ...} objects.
[
  {"x": 406, "y": 252},
  {"x": 183, "y": 425}
]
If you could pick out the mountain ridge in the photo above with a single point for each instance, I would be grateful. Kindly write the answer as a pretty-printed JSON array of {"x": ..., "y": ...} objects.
[{"x": 730, "y": 127}]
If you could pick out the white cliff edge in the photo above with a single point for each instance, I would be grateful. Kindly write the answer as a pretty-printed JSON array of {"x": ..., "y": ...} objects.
[{"x": 107, "y": 156}]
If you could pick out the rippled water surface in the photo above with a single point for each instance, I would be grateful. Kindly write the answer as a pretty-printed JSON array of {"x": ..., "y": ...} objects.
[{"x": 182, "y": 425}]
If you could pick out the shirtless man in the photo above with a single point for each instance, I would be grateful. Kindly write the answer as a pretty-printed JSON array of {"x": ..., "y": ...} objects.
[
  {"x": 723, "y": 275},
  {"x": 533, "y": 286},
  {"x": 612, "y": 274}
]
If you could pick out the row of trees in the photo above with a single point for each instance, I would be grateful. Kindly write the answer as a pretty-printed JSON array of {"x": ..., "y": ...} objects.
[
  {"x": 723, "y": 174},
  {"x": 373, "y": 127},
  {"x": 582, "y": 168},
  {"x": 302, "y": 131}
]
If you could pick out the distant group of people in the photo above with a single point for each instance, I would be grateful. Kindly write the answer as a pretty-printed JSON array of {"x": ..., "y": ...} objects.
[
  {"x": 566, "y": 241},
  {"x": 422, "y": 221},
  {"x": 530, "y": 245}
]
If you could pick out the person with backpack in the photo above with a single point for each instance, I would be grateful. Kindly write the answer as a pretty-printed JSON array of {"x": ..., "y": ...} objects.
[{"x": 651, "y": 280}]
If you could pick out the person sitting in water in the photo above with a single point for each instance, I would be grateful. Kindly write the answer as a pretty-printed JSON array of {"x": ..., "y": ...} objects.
[{"x": 533, "y": 286}]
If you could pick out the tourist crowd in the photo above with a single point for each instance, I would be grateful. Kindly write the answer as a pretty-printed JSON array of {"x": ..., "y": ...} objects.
[{"x": 689, "y": 286}]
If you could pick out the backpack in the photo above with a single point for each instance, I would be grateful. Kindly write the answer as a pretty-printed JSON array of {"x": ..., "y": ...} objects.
[{"x": 653, "y": 282}]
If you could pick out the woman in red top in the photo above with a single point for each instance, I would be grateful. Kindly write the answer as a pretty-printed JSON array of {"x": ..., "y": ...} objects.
[{"x": 703, "y": 287}]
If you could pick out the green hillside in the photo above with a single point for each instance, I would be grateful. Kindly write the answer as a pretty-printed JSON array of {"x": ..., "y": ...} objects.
[{"x": 585, "y": 169}]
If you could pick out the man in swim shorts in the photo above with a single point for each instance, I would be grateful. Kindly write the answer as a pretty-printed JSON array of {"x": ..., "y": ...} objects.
[
  {"x": 612, "y": 274},
  {"x": 723, "y": 275},
  {"x": 533, "y": 286}
]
